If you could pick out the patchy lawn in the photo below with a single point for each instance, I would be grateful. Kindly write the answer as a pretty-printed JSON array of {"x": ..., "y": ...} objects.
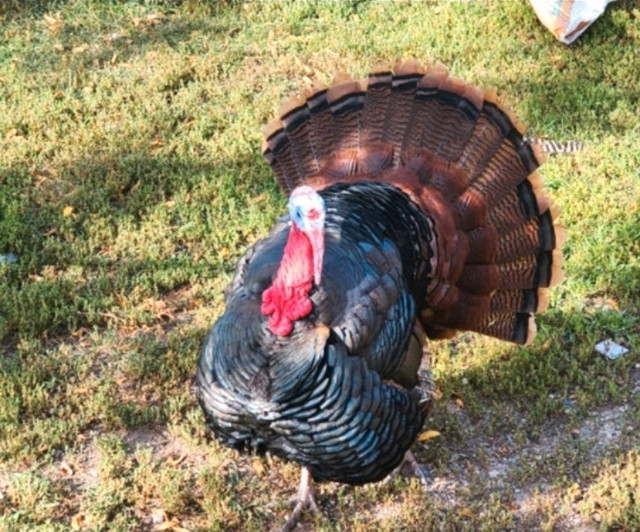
[{"x": 130, "y": 182}]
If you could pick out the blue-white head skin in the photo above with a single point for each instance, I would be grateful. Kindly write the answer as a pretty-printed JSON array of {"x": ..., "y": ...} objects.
[{"x": 307, "y": 211}]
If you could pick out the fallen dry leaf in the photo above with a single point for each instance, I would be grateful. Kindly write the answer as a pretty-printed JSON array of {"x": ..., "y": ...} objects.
[
  {"x": 437, "y": 394},
  {"x": 150, "y": 20},
  {"x": 76, "y": 522},
  {"x": 13, "y": 134},
  {"x": 177, "y": 460},
  {"x": 53, "y": 22},
  {"x": 67, "y": 211},
  {"x": 604, "y": 304},
  {"x": 457, "y": 399},
  {"x": 44, "y": 171},
  {"x": 258, "y": 467},
  {"x": 80, "y": 49},
  {"x": 172, "y": 524},
  {"x": 428, "y": 435},
  {"x": 155, "y": 18},
  {"x": 156, "y": 146},
  {"x": 66, "y": 469}
]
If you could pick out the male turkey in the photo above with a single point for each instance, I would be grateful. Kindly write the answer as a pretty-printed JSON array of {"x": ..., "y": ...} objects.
[{"x": 415, "y": 210}]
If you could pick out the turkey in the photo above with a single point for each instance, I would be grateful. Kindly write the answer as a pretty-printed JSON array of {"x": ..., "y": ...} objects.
[{"x": 414, "y": 211}]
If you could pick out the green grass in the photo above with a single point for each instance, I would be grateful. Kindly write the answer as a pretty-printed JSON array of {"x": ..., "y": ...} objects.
[{"x": 130, "y": 182}]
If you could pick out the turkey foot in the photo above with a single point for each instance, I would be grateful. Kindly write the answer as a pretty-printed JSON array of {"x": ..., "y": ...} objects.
[
  {"x": 306, "y": 499},
  {"x": 411, "y": 466}
]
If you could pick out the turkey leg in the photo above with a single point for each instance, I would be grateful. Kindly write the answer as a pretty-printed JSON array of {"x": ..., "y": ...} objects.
[
  {"x": 410, "y": 467},
  {"x": 306, "y": 499}
]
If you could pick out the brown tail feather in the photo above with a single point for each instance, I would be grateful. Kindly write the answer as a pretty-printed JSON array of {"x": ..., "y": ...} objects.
[
  {"x": 346, "y": 100},
  {"x": 520, "y": 301},
  {"x": 516, "y": 327},
  {"x": 404, "y": 84},
  {"x": 447, "y": 100},
  {"x": 295, "y": 115},
  {"x": 461, "y": 156},
  {"x": 320, "y": 125},
  {"x": 374, "y": 113}
]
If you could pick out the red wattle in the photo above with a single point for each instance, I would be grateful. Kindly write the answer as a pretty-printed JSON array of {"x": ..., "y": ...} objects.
[{"x": 287, "y": 299}]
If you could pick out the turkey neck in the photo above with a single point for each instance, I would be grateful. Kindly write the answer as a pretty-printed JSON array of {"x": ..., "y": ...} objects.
[
  {"x": 296, "y": 267},
  {"x": 287, "y": 299}
]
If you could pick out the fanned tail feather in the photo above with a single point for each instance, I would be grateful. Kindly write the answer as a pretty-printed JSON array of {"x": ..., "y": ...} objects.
[
  {"x": 461, "y": 156},
  {"x": 555, "y": 147}
]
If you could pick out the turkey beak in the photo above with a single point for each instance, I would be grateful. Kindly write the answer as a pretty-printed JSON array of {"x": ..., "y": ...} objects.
[{"x": 316, "y": 238}]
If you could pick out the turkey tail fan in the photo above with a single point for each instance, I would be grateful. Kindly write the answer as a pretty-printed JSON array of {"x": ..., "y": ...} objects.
[{"x": 461, "y": 156}]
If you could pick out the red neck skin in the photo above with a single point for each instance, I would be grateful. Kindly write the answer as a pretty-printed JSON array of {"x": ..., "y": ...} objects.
[{"x": 287, "y": 299}]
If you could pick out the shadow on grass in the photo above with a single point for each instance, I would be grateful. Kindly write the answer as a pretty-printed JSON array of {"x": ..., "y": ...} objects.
[
  {"x": 17, "y": 9},
  {"x": 113, "y": 35},
  {"x": 110, "y": 226}
]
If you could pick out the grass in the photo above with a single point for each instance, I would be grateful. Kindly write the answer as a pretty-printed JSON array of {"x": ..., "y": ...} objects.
[{"x": 131, "y": 180}]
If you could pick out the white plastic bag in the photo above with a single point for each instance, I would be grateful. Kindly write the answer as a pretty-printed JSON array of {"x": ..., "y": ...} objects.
[{"x": 567, "y": 19}]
